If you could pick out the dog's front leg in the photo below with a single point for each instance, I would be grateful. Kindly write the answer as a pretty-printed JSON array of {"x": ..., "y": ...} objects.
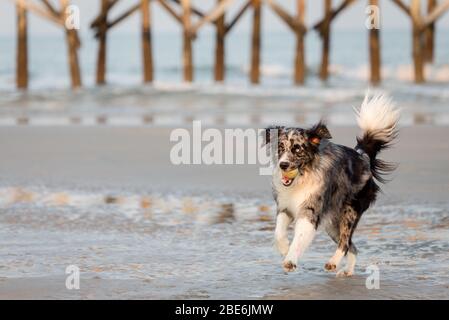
[
  {"x": 304, "y": 234},
  {"x": 280, "y": 233}
]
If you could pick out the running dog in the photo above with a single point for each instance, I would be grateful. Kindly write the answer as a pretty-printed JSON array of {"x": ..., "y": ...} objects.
[{"x": 320, "y": 183}]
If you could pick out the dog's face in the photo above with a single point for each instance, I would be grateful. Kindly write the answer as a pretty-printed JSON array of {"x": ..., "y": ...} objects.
[{"x": 296, "y": 147}]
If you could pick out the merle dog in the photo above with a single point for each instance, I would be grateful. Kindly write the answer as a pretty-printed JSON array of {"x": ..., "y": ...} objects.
[{"x": 332, "y": 184}]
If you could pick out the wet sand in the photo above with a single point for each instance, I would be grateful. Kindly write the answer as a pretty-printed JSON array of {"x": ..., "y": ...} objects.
[
  {"x": 138, "y": 158},
  {"x": 216, "y": 242}
]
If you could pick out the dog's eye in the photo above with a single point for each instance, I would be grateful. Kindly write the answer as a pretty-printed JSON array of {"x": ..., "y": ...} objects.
[{"x": 296, "y": 148}]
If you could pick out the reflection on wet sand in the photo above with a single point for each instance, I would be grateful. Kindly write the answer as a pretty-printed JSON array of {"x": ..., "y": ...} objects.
[{"x": 195, "y": 246}]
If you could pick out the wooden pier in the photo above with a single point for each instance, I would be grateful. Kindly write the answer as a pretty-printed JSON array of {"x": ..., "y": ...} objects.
[{"x": 192, "y": 19}]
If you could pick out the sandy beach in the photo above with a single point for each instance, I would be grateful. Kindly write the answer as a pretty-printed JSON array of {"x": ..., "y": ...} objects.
[
  {"x": 137, "y": 159},
  {"x": 205, "y": 231}
]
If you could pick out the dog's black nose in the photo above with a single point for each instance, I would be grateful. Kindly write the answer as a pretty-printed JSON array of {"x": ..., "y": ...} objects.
[{"x": 284, "y": 165}]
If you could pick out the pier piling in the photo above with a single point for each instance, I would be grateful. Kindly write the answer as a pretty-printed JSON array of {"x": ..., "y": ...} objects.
[
  {"x": 430, "y": 33},
  {"x": 220, "y": 33},
  {"x": 418, "y": 53},
  {"x": 300, "y": 31},
  {"x": 147, "y": 51},
  {"x": 325, "y": 37},
  {"x": 22, "y": 46},
  {"x": 191, "y": 19},
  {"x": 374, "y": 49},
  {"x": 187, "y": 41},
  {"x": 255, "y": 42},
  {"x": 102, "y": 32}
]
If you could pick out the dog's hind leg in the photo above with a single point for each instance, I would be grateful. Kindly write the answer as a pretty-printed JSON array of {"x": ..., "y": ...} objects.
[
  {"x": 333, "y": 262},
  {"x": 333, "y": 230},
  {"x": 348, "y": 223},
  {"x": 351, "y": 259},
  {"x": 280, "y": 233}
]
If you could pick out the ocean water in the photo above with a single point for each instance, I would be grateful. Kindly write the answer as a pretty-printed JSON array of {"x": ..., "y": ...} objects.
[
  {"x": 349, "y": 58},
  {"x": 169, "y": 97}
]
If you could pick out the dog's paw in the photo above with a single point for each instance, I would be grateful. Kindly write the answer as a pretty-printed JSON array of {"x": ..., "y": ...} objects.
[
  {"x": 344, "y": 273},
  {"x": 288, "y": 266},
  {"x": 330, "y": 267}
]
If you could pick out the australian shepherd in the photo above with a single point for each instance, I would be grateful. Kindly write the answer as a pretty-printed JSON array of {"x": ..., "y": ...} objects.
[{"x": 320, "y": 183}]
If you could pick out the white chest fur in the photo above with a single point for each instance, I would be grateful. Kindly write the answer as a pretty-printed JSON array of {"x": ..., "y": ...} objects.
[{"x": 293, "y": 198}]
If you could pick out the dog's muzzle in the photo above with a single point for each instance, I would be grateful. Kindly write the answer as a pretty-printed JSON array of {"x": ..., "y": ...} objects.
[{"x": 287, "y": 177}]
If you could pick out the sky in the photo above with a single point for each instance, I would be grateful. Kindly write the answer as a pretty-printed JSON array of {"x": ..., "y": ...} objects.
[{"x": 352, "y": 18}]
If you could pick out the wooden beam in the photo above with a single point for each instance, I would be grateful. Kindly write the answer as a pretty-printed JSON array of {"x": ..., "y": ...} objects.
[
  {"x": 187, "y": 41},
  {"x": 436, "y": 13},
  {"x": 219, "y": 70},
  {"x": 22, "y": 46},
  {"x": 403, "y": 6},
  {"x": 39, "y": 11},
  {"x": 238, "y": 15},
  {"x": 125, "y": 15},
  {"x": 374, "y": 49},
  {"x": 52, "y": 9},
  {"x": 146, "y": 42},
  {"x": 429, "y": 33},
  {"x": 300, "y": 69},
  {"x": 192, "y": 9},
  {"x": 122, "y": 17},
  {"x": 98, "y": 20},
  {"x": 170, "y": 10},
  {"x": 103, "y": 27},
  {"x": 72, "y": 44},
  {"x": 256, "y": 43},
  {"x": 318, "y": 26},
  {"x": 325, "y": 37},
  {"x": 218, "y": 11},
  {"x": 285, "y": 16},
  {"x": 418, "y": 54}
]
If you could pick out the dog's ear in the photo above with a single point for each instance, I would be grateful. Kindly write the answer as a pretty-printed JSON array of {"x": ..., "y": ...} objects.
[
  {"x": 318, "y": 132},
  {"x": 272, "y": 132}
]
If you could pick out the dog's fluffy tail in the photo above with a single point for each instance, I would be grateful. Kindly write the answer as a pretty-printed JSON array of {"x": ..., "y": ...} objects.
[{"x": 378, "y": 118}]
